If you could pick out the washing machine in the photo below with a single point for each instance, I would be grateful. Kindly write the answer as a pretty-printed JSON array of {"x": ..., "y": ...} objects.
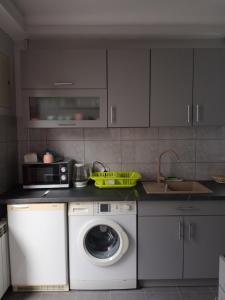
[{"x": 103, "y": 245}]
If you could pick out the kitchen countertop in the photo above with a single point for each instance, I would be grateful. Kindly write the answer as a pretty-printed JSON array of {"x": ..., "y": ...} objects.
[
  {"x": 91, "y": 193},
  {"x": 218, "y": 193}
]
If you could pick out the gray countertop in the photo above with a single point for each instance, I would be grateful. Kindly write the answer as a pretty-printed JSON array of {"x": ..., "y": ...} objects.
[{"x": 91, "y": 193}]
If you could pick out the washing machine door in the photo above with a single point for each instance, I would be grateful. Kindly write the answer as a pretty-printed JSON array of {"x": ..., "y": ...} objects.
[{"x": 103, "y": 242}]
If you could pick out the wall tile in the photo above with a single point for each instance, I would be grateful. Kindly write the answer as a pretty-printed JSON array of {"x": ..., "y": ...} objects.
[
  {"x": 104, "y": 151},
  {"x": 130, "y": 148},
  {"x": 3, "y": 154},
  {"x": 2, "y": 129},
  {"x": 210, "y": 132},
  {"x": 210, "y": 151},
  {"x": 37, "y": 146},
  {"x": 205, "y": 171},
  {"x": 114, "y": 167},
  {"x": 139, "y": 151},
  {"x": 8, "y": 152},
  {"x": 93, "y": 134},
  {"x": 64, "y": 134},
  {"x": 148, "y": 170},
  {"x": 185, "y": 171},
  {"x": 22, "y": 147},
  {"x": 69, "y": 149},
  {"x": 22, "y": 132},
  {"x": 184, "y": 148},
  {"x": 174, "y": 133},
  {"x": 11, "y": 155},
  {"x": 10, "y": 128},
  {"x": 37, "y": 134},
  {"x": 139, "y": 133}
]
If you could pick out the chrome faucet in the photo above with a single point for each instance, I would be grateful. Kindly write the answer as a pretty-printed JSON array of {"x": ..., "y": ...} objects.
[{"x": 159, "y": 175}]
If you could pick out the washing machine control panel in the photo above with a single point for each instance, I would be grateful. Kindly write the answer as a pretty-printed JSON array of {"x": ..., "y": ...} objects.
[{"x": 115, "y": 208}]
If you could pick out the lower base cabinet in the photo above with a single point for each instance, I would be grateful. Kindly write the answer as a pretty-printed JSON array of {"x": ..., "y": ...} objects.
[
  {"x": 185, "y": 244},
  {"x": 160, "y": 248},
  {"x": 221, "y": 294},
  {"x": 203, "y": 244}
]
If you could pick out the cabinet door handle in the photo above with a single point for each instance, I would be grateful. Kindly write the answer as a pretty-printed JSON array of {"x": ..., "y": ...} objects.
[
  {"x": 20, "y": 206},
  {"x": 66, "y": 124},
  {"x": 62, "y": 83},
  {"x": 197, "y": 113},
  {"x": 112, "y": 117},
  {"x": 188, "y": 114},
  {"x": 190, "y": 228},
  {"x": 187, "y": 208},
  {"x": 180, "y": 231}
]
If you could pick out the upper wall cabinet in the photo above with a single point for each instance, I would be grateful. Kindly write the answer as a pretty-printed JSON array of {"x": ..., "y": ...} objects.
[
  {"x": 209, "y": 87},
  {"x": 171, "y": 87},
  {"x": 63, "y": 69},
  {"x": 65, "y": 108},
  {"x": 128, "y": 88}
]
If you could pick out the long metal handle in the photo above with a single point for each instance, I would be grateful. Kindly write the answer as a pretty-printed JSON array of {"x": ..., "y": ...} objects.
[
  {"x": 190, "y": 228},
  {"x": 20, "y": 206},
  {"x": 66, "y": 124},
  {"x": 62, "y": 83},
  {"x": 111, "y": 114},
  {"x": 188, "y": 112},
  {"x": 197, "y": 113},
  {"x": 180, "y": 231},
  {"x": 187, "y": 208}
]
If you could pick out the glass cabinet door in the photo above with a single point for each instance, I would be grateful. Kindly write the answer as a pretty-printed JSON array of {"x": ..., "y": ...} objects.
[{"x": 86, "y": 108}]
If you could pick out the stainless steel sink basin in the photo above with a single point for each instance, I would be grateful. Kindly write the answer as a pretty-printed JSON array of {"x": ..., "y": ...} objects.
[{"x": 178, "y": 187}]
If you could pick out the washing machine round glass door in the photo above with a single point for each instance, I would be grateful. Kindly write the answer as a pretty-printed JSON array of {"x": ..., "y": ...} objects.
[{"x": 104, "y": 242}]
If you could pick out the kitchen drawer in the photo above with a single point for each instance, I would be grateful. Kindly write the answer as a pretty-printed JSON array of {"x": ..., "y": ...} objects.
[{"x": 181, "y": 208}]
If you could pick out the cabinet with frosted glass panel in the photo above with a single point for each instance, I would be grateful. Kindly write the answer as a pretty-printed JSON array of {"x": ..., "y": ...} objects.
[{"x": 66, "y": 108}]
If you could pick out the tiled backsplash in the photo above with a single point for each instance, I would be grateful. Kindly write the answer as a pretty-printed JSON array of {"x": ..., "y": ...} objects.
[
  {"x": 201, "y": 150},
  {"x": 8, "y": 152}
]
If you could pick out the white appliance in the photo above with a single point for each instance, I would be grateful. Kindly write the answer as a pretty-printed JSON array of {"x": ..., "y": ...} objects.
[
  {"x": 221, "y": 291},
  {"x": 102, "y": 245},
  {"x": 4, "y": 259},
  {"x": 38, "y": 246}
]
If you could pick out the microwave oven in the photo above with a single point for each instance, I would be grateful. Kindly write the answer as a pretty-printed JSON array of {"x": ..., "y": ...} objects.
[{"x": 52, "y": 175}]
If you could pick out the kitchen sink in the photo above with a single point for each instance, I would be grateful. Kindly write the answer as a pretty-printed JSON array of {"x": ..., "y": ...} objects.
[{"x": 178, "y": 187}]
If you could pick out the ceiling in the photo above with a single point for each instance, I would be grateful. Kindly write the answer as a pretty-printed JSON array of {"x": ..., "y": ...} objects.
[{"x": 184, "y": 18}]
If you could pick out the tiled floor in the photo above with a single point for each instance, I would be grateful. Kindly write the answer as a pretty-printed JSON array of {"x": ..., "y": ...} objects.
[{"x": 167, "y": 293}]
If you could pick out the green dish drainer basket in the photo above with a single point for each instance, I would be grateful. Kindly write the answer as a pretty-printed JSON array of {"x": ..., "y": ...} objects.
[{"x": 115, "y": 179}]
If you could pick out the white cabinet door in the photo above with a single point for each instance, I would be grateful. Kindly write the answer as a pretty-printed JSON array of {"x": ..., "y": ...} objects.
[
  {"x": 63, "y": 68},
  {"x": 5, "y": 265}
]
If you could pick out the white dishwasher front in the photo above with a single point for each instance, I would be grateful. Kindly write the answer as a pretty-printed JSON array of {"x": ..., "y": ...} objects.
[{"x": 38, "y": 247}]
